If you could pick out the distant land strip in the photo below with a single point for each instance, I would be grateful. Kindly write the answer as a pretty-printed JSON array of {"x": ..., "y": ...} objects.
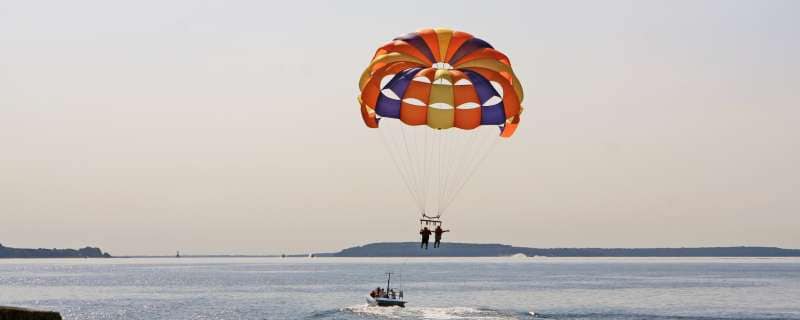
[
  {"x": 87, "y": 252},
  {"x": 412, "y": 249}
]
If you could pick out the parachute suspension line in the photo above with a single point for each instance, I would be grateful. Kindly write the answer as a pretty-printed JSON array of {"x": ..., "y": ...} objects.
[
  {"x": 460, "y": 155},
  {"x": 432, "y": 169},
  {"x": 403, "y": 173},
  {"x": 419, "y": 141},
  {"x": 439, "y": 168},
  {"x": 455, "y": 168},
  {"x": 413, "y": 168},
  {"x": 425, "y": 177},
  {"x": 435, "y": 165},
  {"x": 408, "y": 161},
  {"x": 444, "y": 156},
  {"x": 456, "y": 148},
  {"x": 482, "y": 155},
  {"x": 447, "y": 165},
  {"x": 492, "y": 142},
  {"x": 426, "y": 161},
  {"x": 406, "y": 165},
  {"x": 451, "y": 143},
  {"x": 475, "y": 152},
  {"x": 473, "y": 141}
]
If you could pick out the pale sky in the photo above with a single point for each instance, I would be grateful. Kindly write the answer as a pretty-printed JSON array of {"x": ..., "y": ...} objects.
[{"x": 146, "y": 127}]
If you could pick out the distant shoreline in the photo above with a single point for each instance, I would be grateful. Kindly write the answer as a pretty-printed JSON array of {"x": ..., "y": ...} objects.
[
  {"x": 451, "y": 250},
  {"x": 412, "y": 249},
  {"x": 323, "y": 256},
  {"x": 86, "y": 252},
  {"x": 467, "y": 250}
]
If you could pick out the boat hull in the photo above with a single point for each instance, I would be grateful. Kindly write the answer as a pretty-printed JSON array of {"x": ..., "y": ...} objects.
[{"x": 385, "y": 302}]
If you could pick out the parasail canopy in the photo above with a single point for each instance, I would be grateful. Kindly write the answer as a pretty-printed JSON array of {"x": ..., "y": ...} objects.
[
  {"x": 443, "y": 79},
  {"x": 439, "y": 79}
]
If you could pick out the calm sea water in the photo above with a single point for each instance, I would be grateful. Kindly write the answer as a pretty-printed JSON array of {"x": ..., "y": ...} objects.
[{"x": 334, "y": 288}]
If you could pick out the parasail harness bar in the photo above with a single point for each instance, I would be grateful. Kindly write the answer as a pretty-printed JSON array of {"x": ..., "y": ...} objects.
[{"x": 430, "y": 221}]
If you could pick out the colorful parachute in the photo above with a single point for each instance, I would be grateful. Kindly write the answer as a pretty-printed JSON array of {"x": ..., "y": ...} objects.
[{"x": 441, "y": 79}]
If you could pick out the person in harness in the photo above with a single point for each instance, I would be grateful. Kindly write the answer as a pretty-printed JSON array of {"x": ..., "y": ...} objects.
[
  {"x": 426, "y": 233},
  {"x": 437, "y": 234}
]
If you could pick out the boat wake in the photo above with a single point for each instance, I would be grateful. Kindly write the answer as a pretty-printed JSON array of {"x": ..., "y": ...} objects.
[
  {"x": 371, "y": 312},
  {"x": 368, "y": 312}
]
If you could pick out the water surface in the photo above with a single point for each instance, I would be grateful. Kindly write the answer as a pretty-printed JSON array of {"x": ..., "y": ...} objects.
[{"x": 462, "y": 288}]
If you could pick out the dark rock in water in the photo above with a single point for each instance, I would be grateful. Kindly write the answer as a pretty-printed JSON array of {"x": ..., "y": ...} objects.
[
  {"x": 12, "y": 313},
  {"x": 87, "y": 252}
]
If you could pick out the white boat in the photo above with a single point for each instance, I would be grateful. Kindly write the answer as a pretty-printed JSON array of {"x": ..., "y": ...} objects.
[{"x": 389, "y": 297}]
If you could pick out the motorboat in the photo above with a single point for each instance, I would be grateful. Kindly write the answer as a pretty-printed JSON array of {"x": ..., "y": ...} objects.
[{"x": 388, "y": 297}]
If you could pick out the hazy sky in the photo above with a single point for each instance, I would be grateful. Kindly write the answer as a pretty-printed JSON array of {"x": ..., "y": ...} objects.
[{"x": 146, "y": 127}]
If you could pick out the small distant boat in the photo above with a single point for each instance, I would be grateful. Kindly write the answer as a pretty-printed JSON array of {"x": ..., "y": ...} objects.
[{"x": 389, "y": 297}]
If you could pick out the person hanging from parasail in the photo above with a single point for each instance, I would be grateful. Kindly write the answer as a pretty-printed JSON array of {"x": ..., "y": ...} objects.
[
  {"x": 437, "y": 236},
  {"x": 426, "y": 233}
]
